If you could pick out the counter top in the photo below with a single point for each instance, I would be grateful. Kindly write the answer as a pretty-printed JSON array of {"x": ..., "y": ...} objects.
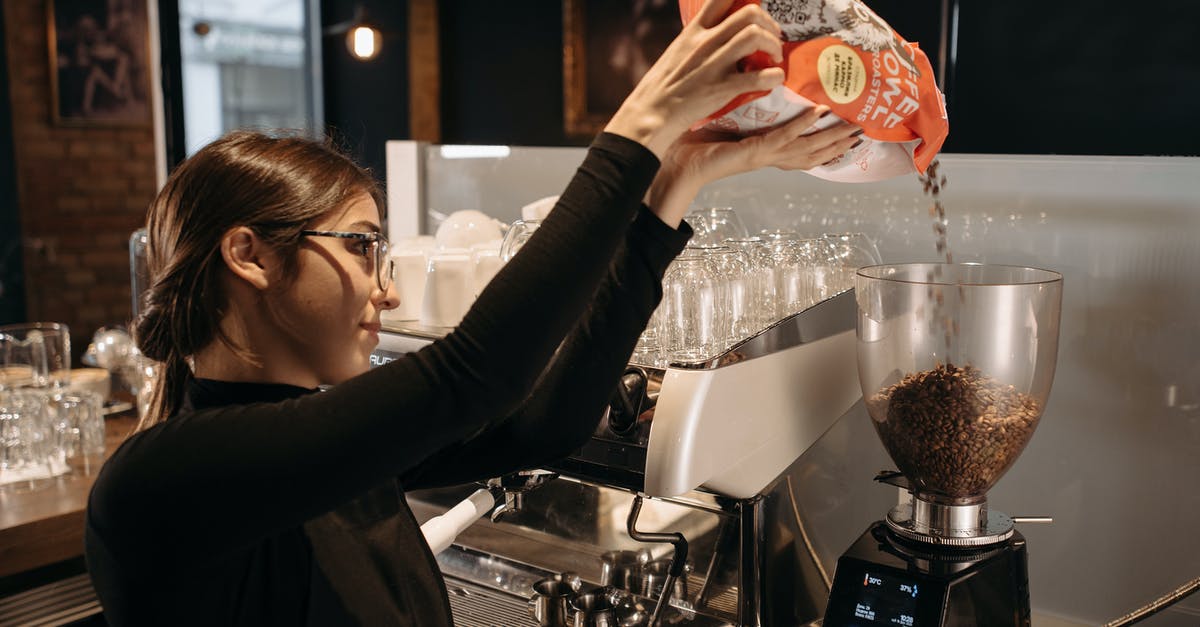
[{"x": 45, "y": 526}]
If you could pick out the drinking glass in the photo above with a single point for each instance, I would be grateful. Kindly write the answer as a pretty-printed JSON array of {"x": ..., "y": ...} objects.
[
  {"x": 852, "y": 251},
  {"x": 822, "y": 270},
  {"x": 772, "y": 235},
  {"x": 25, "y": 443},
  {"x": 713, "y": 225},
  {"x": 761, "y": 304},
  {"x": 722, "y": 273},
  {"x": 139, "y": 271},
  {"x": 788, "y": 277},
  {"x": 77, "y": 424},
  {"x": 693, "y": 314},
  {"x": 35, "y": 355},
  {"x": 516, "y": 237},
  {"x": 734, "y": 268},
  {"x": 648, "y": 351}
]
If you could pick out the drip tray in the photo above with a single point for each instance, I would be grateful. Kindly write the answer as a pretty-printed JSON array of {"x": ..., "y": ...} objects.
[
  {"x": 476, "y": 606},
  {"x": 488, "y": 590}
]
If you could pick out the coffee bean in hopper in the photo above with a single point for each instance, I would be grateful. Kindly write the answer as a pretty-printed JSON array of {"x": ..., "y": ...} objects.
[{"x": 952, "y": 430}]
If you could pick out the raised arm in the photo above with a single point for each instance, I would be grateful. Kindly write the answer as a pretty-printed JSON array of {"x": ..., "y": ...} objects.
[{"x": 569, "y": 399}]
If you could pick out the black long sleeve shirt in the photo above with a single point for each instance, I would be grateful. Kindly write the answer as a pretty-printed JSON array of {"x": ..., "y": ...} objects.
[{"x": 267, "y": 504}]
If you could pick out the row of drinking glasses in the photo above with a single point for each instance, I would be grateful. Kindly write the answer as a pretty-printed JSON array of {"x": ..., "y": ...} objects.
[
  {"x": 46, "y": 429},
  {"x": 715, "y": 296},
  {"x": 45, "y": 433}
]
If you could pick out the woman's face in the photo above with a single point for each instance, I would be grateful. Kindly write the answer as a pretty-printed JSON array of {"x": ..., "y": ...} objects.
[{"x": 329, "y": 313}]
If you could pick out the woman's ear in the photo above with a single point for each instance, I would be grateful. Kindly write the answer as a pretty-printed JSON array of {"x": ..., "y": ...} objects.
[{"x": 248, "y": 257}]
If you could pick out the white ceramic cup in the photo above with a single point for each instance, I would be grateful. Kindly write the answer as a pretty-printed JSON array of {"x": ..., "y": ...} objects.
[
  {"x": 486, "y": 264},
  {"x": 409, "y": 276},
  {"x": 449, "y": 288}
]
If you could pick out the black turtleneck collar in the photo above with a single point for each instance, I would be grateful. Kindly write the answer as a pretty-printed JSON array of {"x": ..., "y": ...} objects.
[{"x": 205, "y": 393}]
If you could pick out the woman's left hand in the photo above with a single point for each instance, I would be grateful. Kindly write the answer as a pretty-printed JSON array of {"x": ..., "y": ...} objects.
[{"x": 701, "y": 157}]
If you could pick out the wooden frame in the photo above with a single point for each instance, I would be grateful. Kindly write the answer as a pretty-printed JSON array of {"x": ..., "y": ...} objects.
[
  {"x": 424, "y": 75},
  {"x": 607, "y": 47},
  {"x": 99, "y": 62}
]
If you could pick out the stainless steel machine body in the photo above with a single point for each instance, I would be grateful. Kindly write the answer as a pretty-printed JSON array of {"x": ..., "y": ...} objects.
[{"x": 711, "y": 449}]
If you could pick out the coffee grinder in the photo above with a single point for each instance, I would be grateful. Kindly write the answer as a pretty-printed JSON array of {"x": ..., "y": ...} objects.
[{"x": 955, "y": 363}]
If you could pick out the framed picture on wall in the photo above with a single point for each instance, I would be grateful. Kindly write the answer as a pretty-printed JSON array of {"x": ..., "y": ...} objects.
[
  {"x": 99, "y": 70},
  {"x": 607, "y": 47}
]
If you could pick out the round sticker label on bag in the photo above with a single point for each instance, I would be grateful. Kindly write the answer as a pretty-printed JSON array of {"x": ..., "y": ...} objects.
[{"x": 842, "y": 73}]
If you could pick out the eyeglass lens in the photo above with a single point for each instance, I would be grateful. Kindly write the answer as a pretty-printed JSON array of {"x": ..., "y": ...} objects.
[{"x": 383, "y": 264}]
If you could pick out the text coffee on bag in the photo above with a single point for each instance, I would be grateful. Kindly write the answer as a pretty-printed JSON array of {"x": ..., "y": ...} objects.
[{"x": 841, "y": 54}]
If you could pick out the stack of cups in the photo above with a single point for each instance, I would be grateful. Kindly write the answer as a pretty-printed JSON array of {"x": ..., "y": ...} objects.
[
  {"x": 449, "y": 287},
  {"x": 437, "y": 285},
  {"x": 409, "y": 260},
  {"x": 46, "y": 429}
]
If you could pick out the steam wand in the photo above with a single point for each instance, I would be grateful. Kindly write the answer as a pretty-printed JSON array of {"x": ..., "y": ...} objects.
[{"x": 678, "y": 560}]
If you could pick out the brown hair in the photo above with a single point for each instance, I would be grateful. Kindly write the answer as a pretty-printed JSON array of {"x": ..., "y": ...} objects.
[{"x": 276, "y": 186}]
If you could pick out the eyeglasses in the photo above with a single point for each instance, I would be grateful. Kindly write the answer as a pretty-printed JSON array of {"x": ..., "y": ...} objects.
[{"x": 376, "y": 242}]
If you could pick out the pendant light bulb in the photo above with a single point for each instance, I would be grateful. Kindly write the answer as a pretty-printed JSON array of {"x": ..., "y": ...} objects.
[{"x": 363, "y": 42}]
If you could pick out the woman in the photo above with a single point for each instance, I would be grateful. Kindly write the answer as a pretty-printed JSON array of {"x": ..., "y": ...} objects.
[{"x": 246, "y": 498}]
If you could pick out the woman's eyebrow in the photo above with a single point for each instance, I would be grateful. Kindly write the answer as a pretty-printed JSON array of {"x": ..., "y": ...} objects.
[{"x": 365, "y": 225}]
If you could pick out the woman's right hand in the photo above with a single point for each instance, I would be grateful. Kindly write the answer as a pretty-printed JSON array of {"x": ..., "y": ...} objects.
[
  {"x": 698, "y": 74},
  {"x": 701, "y": 157}
]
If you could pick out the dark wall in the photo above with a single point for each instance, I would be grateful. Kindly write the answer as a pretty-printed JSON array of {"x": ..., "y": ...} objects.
[
  {"x": 502, "y": 74},
  {"x": 366, "y": 103},
  {"x": 12, "y": 286},
  {"x": 1027, "y": 77},
  {"x": 1077, "y": 77}
]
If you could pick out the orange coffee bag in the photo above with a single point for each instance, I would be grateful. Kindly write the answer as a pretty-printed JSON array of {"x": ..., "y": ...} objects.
[{"x": 841, "y": 54}]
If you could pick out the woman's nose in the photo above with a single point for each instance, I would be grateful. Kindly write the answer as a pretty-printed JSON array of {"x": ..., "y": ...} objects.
[{"x": 391, "y": 297}]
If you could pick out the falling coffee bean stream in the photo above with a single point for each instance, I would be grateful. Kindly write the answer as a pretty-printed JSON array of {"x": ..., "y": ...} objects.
[{"x": 932, "y": 183}]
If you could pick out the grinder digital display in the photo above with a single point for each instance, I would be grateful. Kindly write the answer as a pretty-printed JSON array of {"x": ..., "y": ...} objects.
[
  {"x": 873, "y": 595},
  {"x": 886, "y": 600}
]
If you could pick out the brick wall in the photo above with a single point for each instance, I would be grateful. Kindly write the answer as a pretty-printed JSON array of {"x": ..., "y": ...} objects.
[{"x": 81, "y": 192}]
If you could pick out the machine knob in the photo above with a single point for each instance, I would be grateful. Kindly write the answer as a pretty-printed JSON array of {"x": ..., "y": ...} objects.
[{"x": 628, "y": 402}]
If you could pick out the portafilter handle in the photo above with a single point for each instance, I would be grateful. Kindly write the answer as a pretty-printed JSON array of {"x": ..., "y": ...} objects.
[
  {"x": 514, "y": 487},
  {"x": 629, "y": 400}
]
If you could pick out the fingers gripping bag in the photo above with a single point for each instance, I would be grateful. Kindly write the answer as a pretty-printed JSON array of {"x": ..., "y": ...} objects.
[{"x": 841, "y": 54}]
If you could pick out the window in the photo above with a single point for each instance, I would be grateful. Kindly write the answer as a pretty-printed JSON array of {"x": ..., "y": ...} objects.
[{"x": 248, "y": 65}]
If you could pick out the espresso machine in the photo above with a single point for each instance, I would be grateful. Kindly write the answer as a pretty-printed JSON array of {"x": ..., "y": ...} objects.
[
  {"x": 956, "y": 363},
  {"x": 680, "y": 509}
]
